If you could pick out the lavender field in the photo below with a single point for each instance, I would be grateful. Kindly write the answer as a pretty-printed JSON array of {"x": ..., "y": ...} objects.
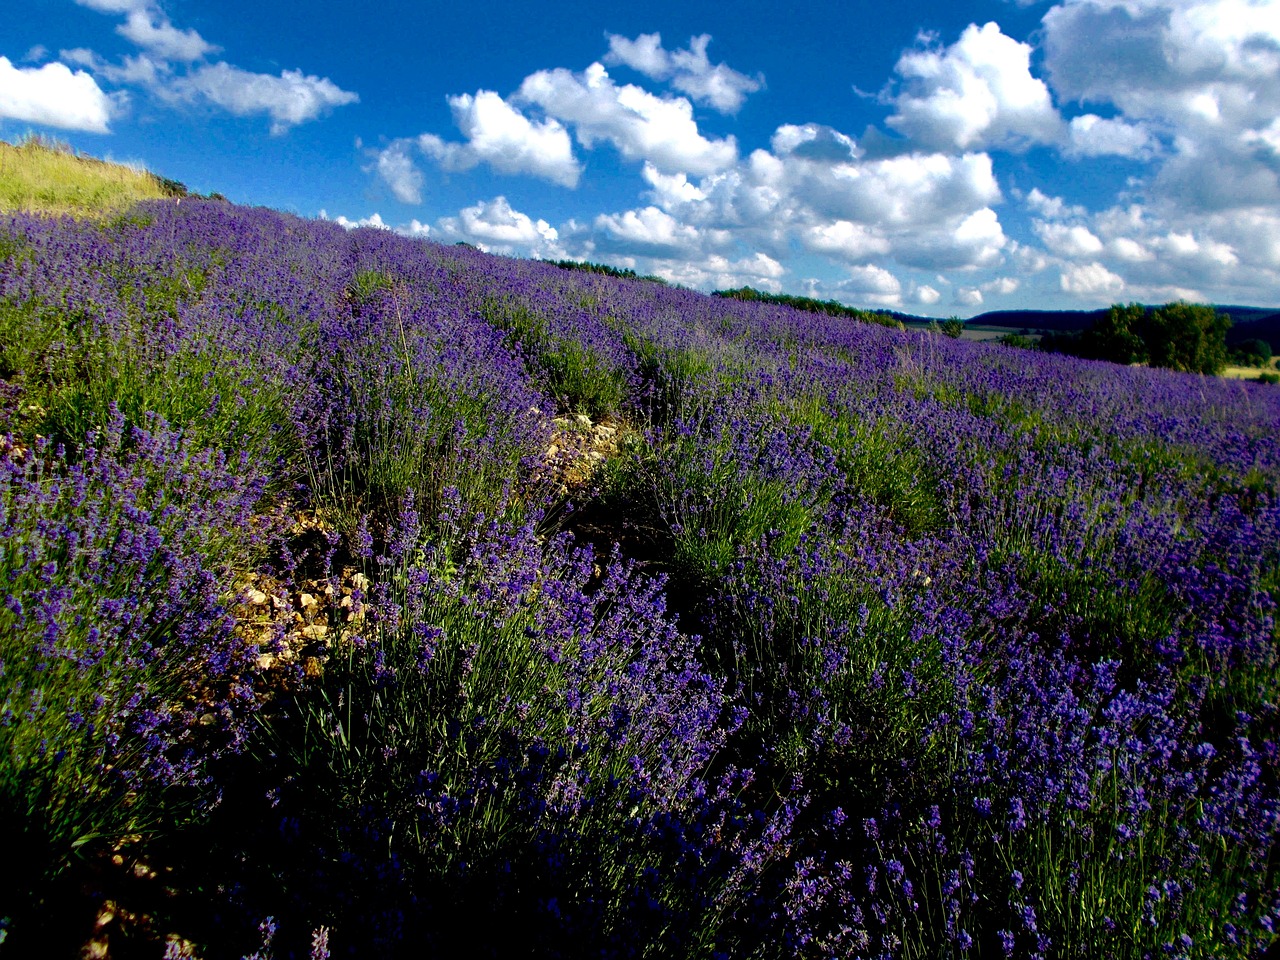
[{"x": 369, "y": 597}]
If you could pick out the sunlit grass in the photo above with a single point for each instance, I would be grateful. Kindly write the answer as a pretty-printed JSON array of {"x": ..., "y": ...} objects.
[{"x": 43, "y": 176}]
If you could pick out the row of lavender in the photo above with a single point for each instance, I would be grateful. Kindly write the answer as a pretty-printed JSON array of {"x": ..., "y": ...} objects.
[{"x": 969, "y": 652}]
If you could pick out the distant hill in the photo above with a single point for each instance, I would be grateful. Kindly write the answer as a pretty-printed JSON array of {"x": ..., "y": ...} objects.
[{"x": 1262, "y": 323}]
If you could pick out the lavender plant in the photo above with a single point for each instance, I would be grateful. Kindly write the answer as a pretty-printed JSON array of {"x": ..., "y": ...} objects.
[{"x": 122, "y": 676}]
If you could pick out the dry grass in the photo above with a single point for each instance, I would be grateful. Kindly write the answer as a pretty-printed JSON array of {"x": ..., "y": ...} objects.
[
  {"x": 42, "y": 176},
  {"x": 1249, "y": 373}
]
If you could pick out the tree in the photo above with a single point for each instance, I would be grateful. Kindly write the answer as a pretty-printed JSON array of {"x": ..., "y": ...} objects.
[
  {"x": 1117, "y": 336},
  {"x": 1252, "y": 353},
  {"x": 1186, "y": 336}
]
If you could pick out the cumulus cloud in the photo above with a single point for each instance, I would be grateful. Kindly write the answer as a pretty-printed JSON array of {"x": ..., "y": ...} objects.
[
  {"x": 1091, "y": 281},
  {"x": 845, "y": 240},
  {"x": 650, "y": 231},
  {"x": 1093, "y": 136},
  {"x": 53, "y": 95},
  {"x": 397, "y": 170},
  {"x": 967, "y": 297},
  {"x": 1068, "y": 240},
  {"x": 639, "y": 124},
  {"x": 497, "y": 227},
  {"x": 147, "y": 28},
  {"x": 289, "y": 99},
  {"x": 1002, "y": 286},
  {"x": 688, "y": 70},
  {"x": 1047, "y": 206},
  {"x": 373, "y": 220},
  {"x": 924, "y": 294},
  {"x": 671, "y": 189},
  {"x": 979, "y": 91},
  {"x": 501, "y": 136},
  {"x": 132, "y": 70},
  {"x": 172, "y": 68},
  {"x": 873, "y": 284},
  {"x": 719, "y": 272},
  {"x": 1202, "y": 74}
]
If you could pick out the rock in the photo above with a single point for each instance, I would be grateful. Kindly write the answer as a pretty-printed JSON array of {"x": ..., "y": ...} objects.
[
  {"x": 307, "y": 601},
  {"x": 317, "y": 631},
  {"x": 256, "y": 598},
  {"x": 582, "y": 420}
]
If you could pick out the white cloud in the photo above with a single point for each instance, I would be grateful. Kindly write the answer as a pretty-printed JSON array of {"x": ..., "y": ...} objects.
[
  {"x": 496, "y": 227},
  {"x": 54, "y": 96},
  {"x": 968, "y": 297},
  {"x": 289, "y": 99},
  {"x": 874, "y": 285},
  {"x": 1124, "y": 248},
  {"x": 671, "y": 189},
  {"x": 501, "y": 136},
  {"x": 1066, "y": 240},
  {"x": 640, "y": 125},
  {"x": 976, "y": 92},
  {"x": 152, "y": 30},
  {"x": 115, "y": 6},
  {"x": 1202, "y": 74},
  {"x": 719, "y": 272},
  {"x": 373, "y": 220},
  {"x": 912, "y": 190},
  {"x": 845, "y": 240},
  {"x": 139, "y": 70},
  {"x": 1002, "y": 285},
  {"x": 397, "y": 170},
  {"x": 1091, "y": 281},
  {"x": 925, "y": 294},
  {"x": 689, "y": 70},
  {"x": 1053, "y": 207},
  {"x": 651, "y": 232},
  {"x": 1092, "y": 136}
]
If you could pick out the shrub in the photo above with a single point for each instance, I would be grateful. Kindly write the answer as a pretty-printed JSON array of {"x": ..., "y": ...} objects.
[{"x": 122, "y": 677}]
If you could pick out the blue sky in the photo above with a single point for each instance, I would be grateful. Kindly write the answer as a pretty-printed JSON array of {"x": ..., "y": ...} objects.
[{"x": 935, "y": 158}]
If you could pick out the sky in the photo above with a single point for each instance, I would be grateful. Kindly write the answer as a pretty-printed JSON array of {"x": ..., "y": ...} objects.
[{"x": 936, "y": 158}]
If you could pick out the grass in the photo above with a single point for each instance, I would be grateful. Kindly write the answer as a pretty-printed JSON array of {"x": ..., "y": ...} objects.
[
  {"x": 39, "y": 175},
  {"x": 1236, "y": 372}
]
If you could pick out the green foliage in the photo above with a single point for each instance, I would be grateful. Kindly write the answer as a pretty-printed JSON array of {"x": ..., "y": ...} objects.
[
  {"x": 578, "y": 378},
  {"x": 1252, "y": 353},
  {"x": 1187, "y": 337},
  {"x": 622, "y": 273},
  {"x": 1118, "y": 336},
  {"x": 1017, "y": 340},
  {"x": 832, "y": 308},
  {"x": 1179, "y": 336},
  {"x": 952, "y": 327}
]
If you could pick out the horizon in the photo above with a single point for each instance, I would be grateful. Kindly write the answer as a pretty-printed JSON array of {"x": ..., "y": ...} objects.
[{"x": 934, "y": 161}]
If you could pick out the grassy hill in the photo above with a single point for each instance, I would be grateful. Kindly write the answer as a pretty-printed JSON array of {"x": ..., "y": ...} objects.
[{"x": 42, "y": 176}]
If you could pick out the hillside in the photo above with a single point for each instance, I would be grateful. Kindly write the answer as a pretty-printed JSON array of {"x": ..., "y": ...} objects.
[
  {"x": 40, "y": 176},
  {"x": 371, "y": 596},
  {"x": 1247, "y": 322}
]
